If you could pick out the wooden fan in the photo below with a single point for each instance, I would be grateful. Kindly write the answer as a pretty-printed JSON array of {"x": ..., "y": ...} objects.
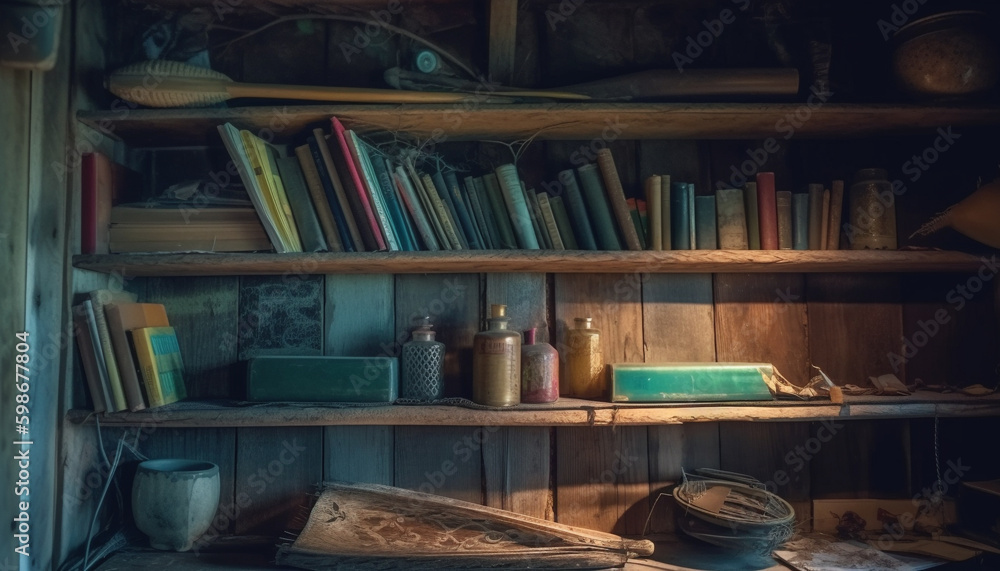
[{"x": 162, "y": 83}]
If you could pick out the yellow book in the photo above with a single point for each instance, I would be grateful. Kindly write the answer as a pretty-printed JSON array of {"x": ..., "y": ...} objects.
[
  {"x": 280, "y": 213},
  {"x": 159, "y": 359}
]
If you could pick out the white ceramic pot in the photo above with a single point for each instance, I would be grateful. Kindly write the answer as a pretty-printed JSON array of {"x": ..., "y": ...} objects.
[{"x": 174, "y": 501}]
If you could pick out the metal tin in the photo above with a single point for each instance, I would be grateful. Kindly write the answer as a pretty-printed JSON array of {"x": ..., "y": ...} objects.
[
  {"x": 872, "y": 211},
  {"x": 422, "y": 375},
  {"x": 496, "y": 362},
  {"x": 584, "y": 376},
  {"x": 539, "y": 370}
]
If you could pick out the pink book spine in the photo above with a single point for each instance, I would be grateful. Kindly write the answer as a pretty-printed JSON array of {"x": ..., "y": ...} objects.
[{"x": 338, "y": 130}]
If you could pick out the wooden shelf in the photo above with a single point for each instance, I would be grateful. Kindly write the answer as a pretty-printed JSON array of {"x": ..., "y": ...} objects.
[
  {"x": 565, "y": 412},
  {"x": 169, "y": 127},
  {"x": 539, "y": 261}
]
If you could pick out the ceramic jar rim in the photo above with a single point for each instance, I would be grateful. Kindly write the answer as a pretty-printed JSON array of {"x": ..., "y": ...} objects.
[
  {"x": 954, "y": 17},
  {"x": 179, "y": 466}
]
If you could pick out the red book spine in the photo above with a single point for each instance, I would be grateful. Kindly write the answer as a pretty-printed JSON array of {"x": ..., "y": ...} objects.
[
  {"x": 338, "y": 131},
  {"x": 88, "y": 204},
  {"x": 767, "y": 211}
]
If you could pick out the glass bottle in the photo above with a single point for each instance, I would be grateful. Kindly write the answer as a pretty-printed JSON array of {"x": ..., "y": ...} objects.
[
  {"x": 422, "y": 375},
  {"x": 539, "y": 370},
  {"x": 584, "y": 376},
  {"x": 496, "y": 362},
  {"x": 872, "y": 211}
]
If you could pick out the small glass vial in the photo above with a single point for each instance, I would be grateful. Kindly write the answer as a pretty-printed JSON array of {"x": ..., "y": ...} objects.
[
  {"x": 496, "y": 362},
  {"x": 872, "y": 211},
  {"x": 584, "y": 376},
  {"x": 422, "y": 375},
  {"x": 539, "y": 370}
]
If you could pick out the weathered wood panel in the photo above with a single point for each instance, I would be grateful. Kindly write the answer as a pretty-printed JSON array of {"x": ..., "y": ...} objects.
[
  {"x": 360, "y": 321},
  {"x": 204, "y": 313},
  {"x": 862, "y": 459},
  {"x": 442, "y": 460}
]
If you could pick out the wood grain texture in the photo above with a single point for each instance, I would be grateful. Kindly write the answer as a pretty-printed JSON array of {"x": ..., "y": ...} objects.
[
  {"x": 673, "y": 449},
  {"x": 516, "y": 471},
  {"x": 602, "y": 478},
  {"x": 441, "y": 460},
  {"x": 204, "y": 313},
  {"x": 540, "y": 261},
  {"x": 217, "y": 445},
  {"x": 525, "y": 296},
  {"x": 281, "y": 316},
  {"x": 276, "y": 472},
  {"x": 360, "y": 320},
  {"x": 503, "y": 40},
  {"x": 762, "y": 318},
  {"x": 864, "y": 459},
  {"x": 855, "y": 325},
  {"x": 452, "y": 302},
  {"x": 614, "y": 301}
]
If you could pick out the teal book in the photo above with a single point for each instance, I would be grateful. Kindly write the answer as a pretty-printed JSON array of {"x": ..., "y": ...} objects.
[
  {"x": 690, "y": 382},
  {"x": 680, "y": 222},
  {"x": 387, "y": 186},
  {"x": 705, "y": 223},
  {"x": 464, "y": 216},
  {"x": 517, "y": 207},
  {"x": 499, "y": 210},
  {"x": 449, "y": 203},
  {"x": 301, "y": 204},
  {"x": 800, "y": 221},
  {"x": 577, "y": 211},
  {"x": 753, "y": 222},
  {"x": 323, "y": 379},
  {"x": 598, "y": 207},
  {"x": 477, "y": 189},
  {"x": 563, "y": 223}
]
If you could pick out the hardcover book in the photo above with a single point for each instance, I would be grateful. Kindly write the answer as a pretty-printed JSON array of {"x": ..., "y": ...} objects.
[
  {"x": 577, "y": 210},
  {"x": 416, "y": 209},
  {"x": 337, "y": 193},
  {"x": 302, "y": 208},
  {"x": 665, "y": 212},
  {"x": 616, "y": 196},
  {"x": 470, "y": 194},
  {"x": 563, "y": 223},
  {"x": 322, "y": 206},
  {"x": 99, "y": 299},
  {"x": 465, "y": 218},
  {"x": 654, "y": 192},
  {"x": 680, "y": 225},
  {"x": 815, "y": 216},
  {"x": 706, "y": 232},
  {"x": 753, "y": 221},
  {"x": 598, "y": 207},
  {"x": 731, "y": 219},
  {"x": 550, "y": 221},
  {"x": 367, "y": 215},
  {"x": 783, "y": 203},
  {"x": 446, "y": 199},
  {"x": 100, "y": 394},
  {"x": 159, "y": 359},
  {"x": 836, "y": 210},
  {"x": 122, "y": 318},
  {"x": 517, "y": 208},
  {"x": 800, "y": 221},
  {"x": 767, "y": 211}
]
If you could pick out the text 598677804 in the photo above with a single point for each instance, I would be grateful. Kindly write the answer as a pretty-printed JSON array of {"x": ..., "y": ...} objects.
[{"x": 22, "y": 526}]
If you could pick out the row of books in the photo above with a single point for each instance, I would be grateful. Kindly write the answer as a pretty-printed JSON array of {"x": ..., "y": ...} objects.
[
  {"x": 129, "y": 352},
  {"x": 754, "y": 218}
]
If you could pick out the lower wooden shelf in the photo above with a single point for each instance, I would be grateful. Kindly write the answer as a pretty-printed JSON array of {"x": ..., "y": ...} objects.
[{"x": 565, "y": 412}]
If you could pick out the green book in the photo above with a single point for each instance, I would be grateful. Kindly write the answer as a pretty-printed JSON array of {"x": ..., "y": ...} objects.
[
  {"x": 159, "y": 359},
  {"x": 753, "y": 223},
  {"x": 705, "y": 223},
  {"x": 562, "y": 221},
  {"x": 598, "y": 207},
  {"x": 323, "y": 379},
  {"x": 499, "y": 210},
  {"x": 690, "y": 382}
]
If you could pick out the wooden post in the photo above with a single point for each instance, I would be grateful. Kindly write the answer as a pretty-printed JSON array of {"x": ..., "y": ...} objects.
[{"x": 503, "y": 33}]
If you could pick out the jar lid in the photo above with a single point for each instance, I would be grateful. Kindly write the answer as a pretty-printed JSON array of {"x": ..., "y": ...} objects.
[{"x": 863, "y": 175}]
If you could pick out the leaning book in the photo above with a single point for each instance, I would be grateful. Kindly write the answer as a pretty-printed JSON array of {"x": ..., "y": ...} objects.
[{"x": 159, "y": 357}]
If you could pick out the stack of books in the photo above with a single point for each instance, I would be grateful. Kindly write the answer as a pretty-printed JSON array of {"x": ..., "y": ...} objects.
[
  {"x": 757, "y": 217},
  {"x": 129, "y": 352}
]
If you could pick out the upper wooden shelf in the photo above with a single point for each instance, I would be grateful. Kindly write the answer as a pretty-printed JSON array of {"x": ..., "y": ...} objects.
[
  {"x": 170, "y": 127},
  {"x": 565, "y": 412},
  {"x": 540, "y": 261}
]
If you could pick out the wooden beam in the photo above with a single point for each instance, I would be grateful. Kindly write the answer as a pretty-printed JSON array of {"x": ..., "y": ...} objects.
[{"x": 503, "y": 34}]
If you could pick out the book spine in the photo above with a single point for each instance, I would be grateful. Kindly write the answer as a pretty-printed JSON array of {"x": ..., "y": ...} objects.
[
  {"x": 339, "y": 215},
  {"x": 492, "y": 226},
  {"x": 731, "y": 219},
  {"x": 397, "y": 193},
  {"x": 517, "y": 208},
  {"x": 355, "y": 177},
  {"x": 562, "y": 221},
  {"x": 324, "y": 212},
  {"x": 430, "y": 209},
  {"x": 256, "y": 153},
  {"x": 637, "y": 214},
  {"x": 233, "y": 142},
  {"x": 800, "y": 221},
  {"x": 753, "y": 220},
  {"x": 110, "y": 362},
  {"x": 550, "y": 221},
  {"x": 442, "y": 211},
  {"x": 88, "y": 357},
  {"x": 442, "y": 188},
  {"x": 102, "y": 367},
  {"x": 302, "y": 208},
  {"x": 836, "y": 211},
  {"x": 499, "y": 209},
  {"x": 387, "y": 190},
  {"x": 665, "y": 214},
  {"x": 767, "y": 211},
  {"x": 477, "y": 213},
  {"x": 680, "y": 223},
  {"x": 783, "y": 204},
  {"x": 464, "y": 218},
  {"x": 577, "y": 211},
  {"x": 371, "y": 189},
  {"x": 815, "y": 216},
  {"x": 616, "y": 196},
  {"x": 147, "y": 364},
  {"x": 126, "y": 366},
  {"x": 537, "y": 222},
  {"x": 653, "y": 194},
  {"x": 598, "y": 208},
  {"x": 692, "y": 218},
  {"x": 825, "y": 219},
  {"x": 416, "y": 209},
  {"x": 704, "y": 207}
]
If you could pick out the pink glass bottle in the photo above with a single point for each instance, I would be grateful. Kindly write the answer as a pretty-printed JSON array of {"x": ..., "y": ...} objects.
[{"x": 539, "y": 370}]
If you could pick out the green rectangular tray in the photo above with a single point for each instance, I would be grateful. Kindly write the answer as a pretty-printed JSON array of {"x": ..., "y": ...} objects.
[
  {"x": 690, "y": 382},
  {"x": 323, "y": 379}
]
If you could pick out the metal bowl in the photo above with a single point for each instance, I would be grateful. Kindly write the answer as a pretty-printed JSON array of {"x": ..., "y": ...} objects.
[{"x": 951, "y": 55}]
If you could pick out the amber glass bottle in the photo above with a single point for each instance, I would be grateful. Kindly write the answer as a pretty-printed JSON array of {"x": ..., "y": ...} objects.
[
  {"x": 496, "y": 362},
  {"x": 585, "y": 377}
]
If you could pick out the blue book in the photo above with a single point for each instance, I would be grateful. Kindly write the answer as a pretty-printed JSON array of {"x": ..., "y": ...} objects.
[
  {"x": 449, "y": 203},
  {"x": 800, "y": 221},
  {"x": 598, "y": 207},
  {"x": 386, "y": 187},
  {"x": 331, "y": 196},
  {"x": 464, "y": 218},
  {"x": 577, "y": 211},
  {"x": 680, "y": 221},
  {"x": 705, "y": 225}
]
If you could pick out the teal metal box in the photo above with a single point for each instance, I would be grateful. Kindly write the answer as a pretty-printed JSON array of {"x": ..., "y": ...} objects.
[
  {"x": 690, "y": 382},
  {"x": 323, "y": 379}
]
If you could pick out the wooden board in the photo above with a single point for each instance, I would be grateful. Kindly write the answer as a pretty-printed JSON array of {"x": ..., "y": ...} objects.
[
  {"x": 359, "y": 321},
  {"x": 865, "y": 459},
  {"x": 277, "y": 470},
  {"x": 503, "y": 40},
  {"x": 441, "y": 460},
  {"x": 217, "y": 445},
  {"x": 855, "y": 324},
  {"x": 204, "y": 313},
  {"x": 452, "y": 302},
  {"x": 537, "y": 261},
  {"x": 281, "y": 316}
]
